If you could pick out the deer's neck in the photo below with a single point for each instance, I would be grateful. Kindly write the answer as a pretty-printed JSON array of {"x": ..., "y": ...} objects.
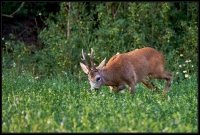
[{"x": 107, "y": 77}]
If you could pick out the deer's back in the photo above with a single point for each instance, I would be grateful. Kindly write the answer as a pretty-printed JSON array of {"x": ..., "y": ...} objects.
[{"x": 142, "y": 61}]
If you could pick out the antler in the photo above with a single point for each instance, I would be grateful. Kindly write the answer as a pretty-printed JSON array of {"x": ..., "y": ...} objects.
[
  {"x": 92, "y": 58},
  {"x": 84, "y": 59}
]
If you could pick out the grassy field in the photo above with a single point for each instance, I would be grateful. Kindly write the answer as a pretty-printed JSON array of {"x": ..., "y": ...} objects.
[{"x": 63, "y": 104}]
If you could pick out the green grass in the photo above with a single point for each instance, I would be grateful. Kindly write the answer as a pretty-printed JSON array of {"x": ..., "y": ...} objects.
[{"x": 63, "y": 104}]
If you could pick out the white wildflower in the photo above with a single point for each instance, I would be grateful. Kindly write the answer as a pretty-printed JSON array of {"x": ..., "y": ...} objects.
[
  {"x": 48, "y": 121},
  {"x": 14, "y": 64},
  {"x": 64, "y": 72},
  {"x": 181, "y": 55},
  {"x": 184, "y": 71},
  {"x": 180, "y": 66},
  {"x": 26, "y": 117},
  {"x": 192, "y": 66},
  {"x": 62, "y": 123},
  {"x": 177, "y": 73},
  {"x": 187, "y": 61},
  {"x": 186, "y": 75},
  {"x": 23, "y": 112}
]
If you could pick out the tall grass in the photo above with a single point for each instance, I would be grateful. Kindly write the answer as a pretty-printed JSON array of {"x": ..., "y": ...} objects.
[{"x": 64, "y": 104}]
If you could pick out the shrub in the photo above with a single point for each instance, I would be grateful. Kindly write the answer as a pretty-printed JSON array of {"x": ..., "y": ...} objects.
[{"x": 116, "y": 27}]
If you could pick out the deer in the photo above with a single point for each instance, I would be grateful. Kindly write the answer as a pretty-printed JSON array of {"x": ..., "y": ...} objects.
[{"x": 127, "y": 69}]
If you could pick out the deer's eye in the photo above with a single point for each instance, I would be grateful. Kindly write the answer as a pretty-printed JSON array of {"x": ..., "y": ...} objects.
[{"x": 98, "y": 79}]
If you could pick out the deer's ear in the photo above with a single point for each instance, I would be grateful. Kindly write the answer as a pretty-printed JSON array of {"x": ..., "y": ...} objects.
[
  {"x": 84, "y": 68},
  {"x": 102, "y": 64}
]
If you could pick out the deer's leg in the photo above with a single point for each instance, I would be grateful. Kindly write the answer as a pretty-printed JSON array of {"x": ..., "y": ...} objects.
[
  {"x": 132, "y": 88},
  {"x": 149, "y": 85},
  {"x": 113, "y": 88},
  {"x": 121, "y": 88},
  {"x": 117, "y": 88},
  {"x": 168, "y": 77}
]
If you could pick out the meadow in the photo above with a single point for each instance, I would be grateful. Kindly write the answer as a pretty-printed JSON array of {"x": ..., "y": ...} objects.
[
  {"x": 64, "y": 104},
  {"x": 45, "y": 90}
]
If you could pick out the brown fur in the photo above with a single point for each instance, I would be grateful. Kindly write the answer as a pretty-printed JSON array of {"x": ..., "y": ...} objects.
[{"x": 133, "y": 67}]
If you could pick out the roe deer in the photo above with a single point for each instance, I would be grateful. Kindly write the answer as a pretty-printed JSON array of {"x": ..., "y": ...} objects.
[{"x": 127, "y": 69}]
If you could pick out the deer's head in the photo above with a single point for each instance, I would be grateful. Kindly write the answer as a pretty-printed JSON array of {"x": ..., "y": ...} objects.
[{"x": 94, "y": 72}]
